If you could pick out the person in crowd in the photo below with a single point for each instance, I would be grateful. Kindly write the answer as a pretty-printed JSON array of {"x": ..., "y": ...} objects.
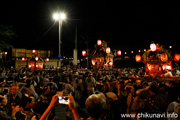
[
  {"x": 130, "y": 99},
  {"x": 90, "y": 83},
  {"x": 95, "y": 106},
  {"x": 122, "y": 95},
  {"x": 4, "y": 112},
  {"x": 45, "y": 78},
  {"x": 150, "y": 103},
  {"x": 174, "y": 107},
  {"x": 2, "y": 74},
  {"x": 29, "y": 89},
  {"x": 78, "y": 88},
  {"x": 14, "y": 98},
  {"x": 112, "y": 86},
  {"x": 51, "y": 106},
  {"x": 68, "y": 89},
  {"x": 113, "y": 106},
  {"x": 172, "y": 91},
  {"x": 162, "y": 98},
  {"x": 27, "y": 111},
  {"x": 38, "y": 79},
  {"x": 44, "y": 101}
]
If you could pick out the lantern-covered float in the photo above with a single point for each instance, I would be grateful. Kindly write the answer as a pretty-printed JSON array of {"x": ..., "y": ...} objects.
[
  {"x": 102, "y": 56},
  {"x": 35, "y": 62},
  {"x": 157, "y": 60}
]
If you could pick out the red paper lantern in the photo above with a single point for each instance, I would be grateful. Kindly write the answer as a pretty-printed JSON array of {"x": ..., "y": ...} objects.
[
  {"x": 153, "y": 47},
  {"x": 99, "y": 42},
  {"x": 119, "y": 52},
  {"x": 36, "y": 58},
  {"x": 108, "y": 50},
  {"x": 83, "y": 53},
  {"x": 138, "y": 58},
  {"x": 47, "y": 59},
  {"x": 164, "y": 57},
  {"x": 176, "y": 57},
  {"x": 34, "y": 51},
  {"x": 23, "y": 58}
]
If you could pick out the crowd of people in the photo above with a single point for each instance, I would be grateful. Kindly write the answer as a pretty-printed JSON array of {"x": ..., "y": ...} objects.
[{"x": 104, "y": 94}]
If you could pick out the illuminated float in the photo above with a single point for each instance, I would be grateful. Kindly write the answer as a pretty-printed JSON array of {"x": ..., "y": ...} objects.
[
  {"x": 35, "y": 62},
  {"x": 102, "y": 56},
  {"x": 157, "y": 60}
]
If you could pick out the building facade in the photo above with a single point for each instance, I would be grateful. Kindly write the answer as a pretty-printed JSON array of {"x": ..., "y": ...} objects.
[{"x": 21, "y": 56}]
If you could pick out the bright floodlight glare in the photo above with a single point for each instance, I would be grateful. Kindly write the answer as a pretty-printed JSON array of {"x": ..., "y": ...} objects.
[
  {"x": 55, "y": 16},
  {"x": 62, "y": 16},
  {"x": 58, "y": 16}
]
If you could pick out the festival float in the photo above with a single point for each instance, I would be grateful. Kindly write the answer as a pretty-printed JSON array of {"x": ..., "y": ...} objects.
[
  {"x": 158, "y": 61},
  {"x": 102, "y": 56},
  {"x": 35, "y": 62}
]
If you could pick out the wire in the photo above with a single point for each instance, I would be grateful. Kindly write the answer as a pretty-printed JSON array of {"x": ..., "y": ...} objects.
[{"x": 48, "y": 29}]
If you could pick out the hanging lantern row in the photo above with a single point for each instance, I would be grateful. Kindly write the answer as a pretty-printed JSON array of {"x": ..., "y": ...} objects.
[{"x": 36, "y": 58}]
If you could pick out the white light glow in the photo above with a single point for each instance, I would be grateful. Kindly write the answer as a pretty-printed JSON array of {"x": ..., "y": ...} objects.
[{"x": 59, "y": 16}]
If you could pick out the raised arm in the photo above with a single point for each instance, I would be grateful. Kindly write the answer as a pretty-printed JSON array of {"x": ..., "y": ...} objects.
[
  {"x": 50, "y": 107},
  {"x": 72, "y": 106}
]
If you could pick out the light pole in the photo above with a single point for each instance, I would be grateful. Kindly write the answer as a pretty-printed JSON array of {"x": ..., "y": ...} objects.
[{"x": 59, "y": 17}]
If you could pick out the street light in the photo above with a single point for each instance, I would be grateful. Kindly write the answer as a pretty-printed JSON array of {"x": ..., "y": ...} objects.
[{"x": 59, "y": 17}]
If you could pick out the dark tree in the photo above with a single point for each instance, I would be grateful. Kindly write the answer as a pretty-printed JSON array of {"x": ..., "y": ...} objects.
[{"x": 6, "y": 37}]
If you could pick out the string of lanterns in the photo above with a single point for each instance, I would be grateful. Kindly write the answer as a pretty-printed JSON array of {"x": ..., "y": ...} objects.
[{"x": 153, "y": 48}]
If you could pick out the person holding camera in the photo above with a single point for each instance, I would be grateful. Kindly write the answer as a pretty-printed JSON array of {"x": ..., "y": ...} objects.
[{"x": 44, "y": 101}]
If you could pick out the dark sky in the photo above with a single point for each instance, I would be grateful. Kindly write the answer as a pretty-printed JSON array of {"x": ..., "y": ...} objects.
[{"x": 124, "y": 25}]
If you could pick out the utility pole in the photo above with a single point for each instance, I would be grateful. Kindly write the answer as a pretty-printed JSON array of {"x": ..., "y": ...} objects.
[{"x": 75, "y": 50}]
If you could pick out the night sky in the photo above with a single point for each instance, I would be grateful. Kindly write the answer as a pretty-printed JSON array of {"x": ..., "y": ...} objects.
[{"x": 124, "y": 25}]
